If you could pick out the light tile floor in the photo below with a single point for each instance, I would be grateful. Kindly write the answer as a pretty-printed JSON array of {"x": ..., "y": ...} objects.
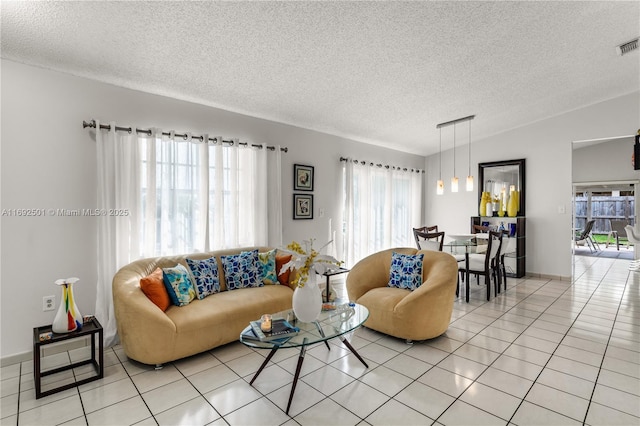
[{"x": 545, "y": 352}]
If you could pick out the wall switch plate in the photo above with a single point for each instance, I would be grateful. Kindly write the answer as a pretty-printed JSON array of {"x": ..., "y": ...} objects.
[
  {"x": 48, "y": 303},
  {"x": 321, "y": 212}
]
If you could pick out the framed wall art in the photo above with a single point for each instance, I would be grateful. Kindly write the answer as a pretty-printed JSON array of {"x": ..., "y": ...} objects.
[
  {"x": 302, "y": 177},
  {"x": 302, "y": 206}
]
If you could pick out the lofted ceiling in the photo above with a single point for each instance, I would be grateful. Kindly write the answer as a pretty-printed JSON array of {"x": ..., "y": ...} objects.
[{"x": 384, "y": 73}]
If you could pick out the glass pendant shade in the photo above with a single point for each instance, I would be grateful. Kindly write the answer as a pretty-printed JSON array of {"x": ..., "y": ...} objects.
[
  {"x": 469, "y": 183},
  {"x": 454, "y": 184},
  {"x": 440, "y": 187}
]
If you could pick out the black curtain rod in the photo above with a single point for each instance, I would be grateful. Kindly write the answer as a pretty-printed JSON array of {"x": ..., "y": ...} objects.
[
  {"x": 92, "y": 124},
  {"x": 386, "y": 166}
]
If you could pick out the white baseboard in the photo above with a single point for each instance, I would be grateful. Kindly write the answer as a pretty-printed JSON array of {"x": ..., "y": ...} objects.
[
  {"x": 15, "y": 359},
  {"x": 48, "y": 350},
  {"x": 547, "y": 276}
]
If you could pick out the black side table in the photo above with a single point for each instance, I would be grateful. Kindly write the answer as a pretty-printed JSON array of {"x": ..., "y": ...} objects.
[
  {"x": 90, "y": 328},
  {"x": 331, "y": 273}
]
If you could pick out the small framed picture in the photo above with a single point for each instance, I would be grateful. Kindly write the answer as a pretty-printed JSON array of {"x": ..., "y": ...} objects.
[
  {"x": 302, "y": 206},
  {"x": 302, "y": 178}
]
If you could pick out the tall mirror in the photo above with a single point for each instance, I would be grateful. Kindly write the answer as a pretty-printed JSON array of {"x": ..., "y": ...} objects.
[{"x": 500, "y": 179}]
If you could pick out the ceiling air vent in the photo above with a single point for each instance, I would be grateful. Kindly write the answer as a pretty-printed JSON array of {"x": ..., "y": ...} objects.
[{"x": 627, "y": 47}]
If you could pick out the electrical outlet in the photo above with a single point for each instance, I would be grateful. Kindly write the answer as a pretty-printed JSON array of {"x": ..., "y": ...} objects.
[{"x": 48, "y": 303}]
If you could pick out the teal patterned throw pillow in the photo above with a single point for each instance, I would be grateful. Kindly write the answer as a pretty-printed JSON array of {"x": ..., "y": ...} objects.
[
  {"x": 406, "y": 271},
  {"x": 242, "y": 270},
  {"x": 268, "y": 265},
  {"x": 205, "y": 276},
  {"x": 178, "y": 284}
]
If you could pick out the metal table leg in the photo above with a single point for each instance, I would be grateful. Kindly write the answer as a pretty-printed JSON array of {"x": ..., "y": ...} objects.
[
  {"x": 327, "y": 298},
  {"x": 466, "y": 260},
  {"x": 266, "y": 361},
  {"x": 352, "y": 349},
  {"x": 303, "y": 350},
  {"x": 321, "y": 333}
]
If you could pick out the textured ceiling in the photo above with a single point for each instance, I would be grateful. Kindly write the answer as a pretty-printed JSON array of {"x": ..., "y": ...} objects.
[{"x": 379, "y": 72}]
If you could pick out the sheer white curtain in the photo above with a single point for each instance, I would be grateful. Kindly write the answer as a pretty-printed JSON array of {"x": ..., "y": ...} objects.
[
  {"x": 381, "y": 206},
  {"x": 182, "y": 196},
  {"x": 118, "y": 192},
  {"x": 199, "y": 197}
]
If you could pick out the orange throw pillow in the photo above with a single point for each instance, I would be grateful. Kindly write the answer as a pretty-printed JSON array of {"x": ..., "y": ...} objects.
[
  {"x": 283, "y": 259},
  {"x": 153, "y": 287}
]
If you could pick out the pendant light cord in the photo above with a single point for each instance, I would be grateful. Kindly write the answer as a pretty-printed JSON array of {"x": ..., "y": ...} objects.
[
  {"x": 469, "y": 148},
  {"x": 454, "y": 149},
  {"x": 440, "y": 173}
]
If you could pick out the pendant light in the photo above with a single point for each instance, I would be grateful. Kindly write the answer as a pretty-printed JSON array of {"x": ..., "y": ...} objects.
[
  {"x": 440, "y": 183},
  {"x": 469, "y": 177},
  {"x": 454, "y": 179}
]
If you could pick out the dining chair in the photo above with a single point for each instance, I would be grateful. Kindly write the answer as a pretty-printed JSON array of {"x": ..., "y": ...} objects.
[
  {"x": 501, "y": 267},
  {"x": 481, "y": 229},
  {"x": 486, "y": 264},
  {"x": 429, "y": 240},
  {"x": 423, "y": 229}
]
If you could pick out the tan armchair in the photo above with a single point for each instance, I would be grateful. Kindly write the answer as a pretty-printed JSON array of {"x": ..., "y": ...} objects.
[{"x": 420, "y": 314}]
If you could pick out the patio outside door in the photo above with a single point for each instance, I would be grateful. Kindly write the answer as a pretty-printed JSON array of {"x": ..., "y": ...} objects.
[{"x": 604, "y": 202}]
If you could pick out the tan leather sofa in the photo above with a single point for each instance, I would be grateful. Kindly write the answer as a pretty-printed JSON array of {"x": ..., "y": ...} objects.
[
  {"x": 151, "y": 336},
  {"x": 420, "y": 314}
]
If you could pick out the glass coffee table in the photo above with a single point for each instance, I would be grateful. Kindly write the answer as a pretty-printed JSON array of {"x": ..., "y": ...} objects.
[{"x": 329, "y": 325}]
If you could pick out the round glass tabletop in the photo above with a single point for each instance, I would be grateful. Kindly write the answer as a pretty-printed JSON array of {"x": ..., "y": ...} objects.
[{"x": 330, "y": 324}]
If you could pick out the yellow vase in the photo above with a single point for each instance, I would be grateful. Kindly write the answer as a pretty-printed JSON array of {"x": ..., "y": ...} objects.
[
  {"x": 513, "y": 204},
  {"x": 483, "y": 203}
]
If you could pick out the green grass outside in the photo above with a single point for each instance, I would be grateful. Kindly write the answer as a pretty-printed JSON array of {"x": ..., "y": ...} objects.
[{"x": 602, "y": 239}]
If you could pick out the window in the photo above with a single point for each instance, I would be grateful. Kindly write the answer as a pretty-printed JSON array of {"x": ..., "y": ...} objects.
[{"x": 196, "y": 196}]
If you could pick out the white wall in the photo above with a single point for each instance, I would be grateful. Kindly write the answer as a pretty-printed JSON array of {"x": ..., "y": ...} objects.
[
  {"x": 606, "y": 161},
  {"x": 546, "y": 145},
  {"x": 48, "y": 161}
]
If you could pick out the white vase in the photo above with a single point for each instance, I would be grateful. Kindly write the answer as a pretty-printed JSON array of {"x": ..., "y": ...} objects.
[
  {"x": 307, "y": 300},
  {"x": 68, "y": 318}
]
